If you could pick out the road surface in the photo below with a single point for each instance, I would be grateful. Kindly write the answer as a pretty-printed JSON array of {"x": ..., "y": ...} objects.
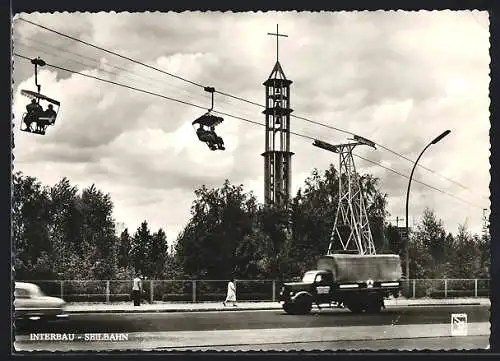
[{"x": 420, "y": 327}]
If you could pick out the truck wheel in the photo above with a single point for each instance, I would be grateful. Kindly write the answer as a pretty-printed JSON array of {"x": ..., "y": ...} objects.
[
  {"x": 289, "y": 308},
  {"x": 355, "y": 307},
  {"x": 374, "y": 306},
  {"x": 304, "y": 306}
]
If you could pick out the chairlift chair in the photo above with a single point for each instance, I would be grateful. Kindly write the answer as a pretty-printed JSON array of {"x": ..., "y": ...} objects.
[
  {"x": 208, "y": 120},
  {"x": 206, "y": 124},
  {"x": 38, "y": 128},
  {"x": 41, "y": 121}
]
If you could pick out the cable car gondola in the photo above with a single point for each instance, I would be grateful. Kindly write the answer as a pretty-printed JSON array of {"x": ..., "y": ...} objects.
[
  {"x": 36, "y": 119},
  {"x": 206, "y": 130}
]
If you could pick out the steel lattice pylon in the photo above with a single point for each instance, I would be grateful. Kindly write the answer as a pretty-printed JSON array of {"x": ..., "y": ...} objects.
[{"x": 351, "y": 227}]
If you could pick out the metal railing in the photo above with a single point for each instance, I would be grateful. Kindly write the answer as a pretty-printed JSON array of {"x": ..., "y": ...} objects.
[{"x": 215, "y": 290}]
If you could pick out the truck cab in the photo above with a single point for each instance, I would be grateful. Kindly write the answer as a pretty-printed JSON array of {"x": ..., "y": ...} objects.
[{"x": 316, "y": 287}]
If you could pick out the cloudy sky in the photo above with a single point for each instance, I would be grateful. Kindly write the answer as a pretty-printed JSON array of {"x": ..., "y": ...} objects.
[{"x": 399, "y": 79}]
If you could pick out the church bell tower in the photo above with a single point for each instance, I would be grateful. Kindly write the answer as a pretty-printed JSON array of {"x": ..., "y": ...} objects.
[{"x": 277, "y": 154}]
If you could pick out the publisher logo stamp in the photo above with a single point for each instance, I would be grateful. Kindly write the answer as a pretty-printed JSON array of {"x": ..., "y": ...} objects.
[{"x": 459, "y": 324}]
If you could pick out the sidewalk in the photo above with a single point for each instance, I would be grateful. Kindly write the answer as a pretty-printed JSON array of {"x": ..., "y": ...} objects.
[{"x": 218, "y": 306}]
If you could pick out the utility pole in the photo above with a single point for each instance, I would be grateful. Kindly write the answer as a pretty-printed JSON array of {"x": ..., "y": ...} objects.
[
  {"x": 397, "y": 221},
  {"x": 486, "y": 223}
]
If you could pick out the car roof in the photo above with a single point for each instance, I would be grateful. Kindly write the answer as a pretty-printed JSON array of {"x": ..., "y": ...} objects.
[{"x": 27, "y": 286}]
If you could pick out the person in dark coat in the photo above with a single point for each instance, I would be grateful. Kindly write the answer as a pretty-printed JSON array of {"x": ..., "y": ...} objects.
[
  {"x": 33, "y": 110},
  {"x": 50, "y": 114}
]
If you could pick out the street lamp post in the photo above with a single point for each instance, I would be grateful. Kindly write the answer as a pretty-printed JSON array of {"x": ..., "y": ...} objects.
[{"x": 437, "y": 139}]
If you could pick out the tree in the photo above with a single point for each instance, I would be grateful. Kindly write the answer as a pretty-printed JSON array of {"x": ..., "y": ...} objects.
[
  {"x": 60, "y": 233},
  {"x": 66, "y": 231},
  {"x": 139, "y": 252},
  {"x": 431, "y": 249},
  {"x": 484, "y": 246},
  {"x": 158, "y": 254},
  {"x": 466, "y": 254},
  {"x": 124, "y": 247},
  {"x": 313, "y": 216},
  {"x": 395, "y": 243},
  {"x": 250, "y": 260},
  {"x": 210, "y": 246},
  {"x": 376, "y": 203},
  {"x": 99, "y": 232},
  {"x": 275, "y": 241},
  {"x": 30, "y": 225}
]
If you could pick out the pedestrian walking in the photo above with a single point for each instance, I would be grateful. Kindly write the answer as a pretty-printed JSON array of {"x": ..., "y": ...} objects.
[
  {"x": 137, "y": 290},
  {"x": 231, "y": 293},
  {"x": 382, "y": 303}
]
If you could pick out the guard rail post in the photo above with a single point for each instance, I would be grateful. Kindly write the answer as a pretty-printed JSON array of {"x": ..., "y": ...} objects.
[
  {"x": 445, "y": 288},
  {"x": 151, "y": 291},
  {"x": 475, "y": 287},
  {"x": 274, "y": 290},
  {"x": 62, "y": 289},
  {"x": 194, "y": 290},
  {"x": 413, "y": 290}
]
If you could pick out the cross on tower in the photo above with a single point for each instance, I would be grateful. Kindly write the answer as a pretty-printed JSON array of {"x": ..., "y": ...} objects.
[{"x": 277, "y": 34}]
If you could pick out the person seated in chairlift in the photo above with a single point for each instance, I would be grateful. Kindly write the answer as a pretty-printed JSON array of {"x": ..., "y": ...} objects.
[
  {"x": 218, "y": 143},
  {"x": 50, "y": 114},
  {"x": 212, "y": 133},
  {"x": 41, "y": 122},
  {"x": 32, "y": 107},
  {"x": 210, "y": 137},
  {"x": 33, "y": 112},
  {"x": 204, "y": 135},
  {"x": 201, "y": 133},
  {"x": 46, "y": 118}
]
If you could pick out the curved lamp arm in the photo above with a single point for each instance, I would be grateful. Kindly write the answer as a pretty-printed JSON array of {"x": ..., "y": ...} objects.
[{"x": 434, "y": 141}]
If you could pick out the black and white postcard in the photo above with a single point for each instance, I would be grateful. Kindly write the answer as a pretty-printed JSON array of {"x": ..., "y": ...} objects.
[{"x": 251, "y": 181}]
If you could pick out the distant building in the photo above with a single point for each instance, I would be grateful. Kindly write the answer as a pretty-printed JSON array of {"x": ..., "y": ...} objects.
[{"x": 402, "y": 231}]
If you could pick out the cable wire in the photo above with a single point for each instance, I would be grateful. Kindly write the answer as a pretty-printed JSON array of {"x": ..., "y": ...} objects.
[
  {"x": 150, "y": 81},
  {"x": 115, "y": 83},
  {"x": 243, "y": 100},
  {"x": 414, "y": 180},
  {"x": 101, "y": 68},
  {"x": 236, "y": 117},
  {"x": 112, "y": 52}
]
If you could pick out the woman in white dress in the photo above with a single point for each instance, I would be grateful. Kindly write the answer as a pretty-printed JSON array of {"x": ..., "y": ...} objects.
[{"x": 231, "y": 293}]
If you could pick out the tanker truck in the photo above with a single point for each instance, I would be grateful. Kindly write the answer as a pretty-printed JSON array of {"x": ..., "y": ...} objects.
[{"x": 359, "y": 282}]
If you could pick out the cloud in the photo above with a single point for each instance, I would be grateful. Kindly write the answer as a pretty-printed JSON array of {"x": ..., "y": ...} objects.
[{"x": 397, "y": 78}]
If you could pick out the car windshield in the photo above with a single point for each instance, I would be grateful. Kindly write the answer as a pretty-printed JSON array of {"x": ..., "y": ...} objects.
[
  {"x": 309, "y": 277},
  {"x": 21, "y": 293},
  {"x": 36, "y": 291}
]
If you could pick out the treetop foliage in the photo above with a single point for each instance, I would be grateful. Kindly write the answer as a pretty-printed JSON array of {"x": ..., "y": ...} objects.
[{"x": 61, "y": 232}]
